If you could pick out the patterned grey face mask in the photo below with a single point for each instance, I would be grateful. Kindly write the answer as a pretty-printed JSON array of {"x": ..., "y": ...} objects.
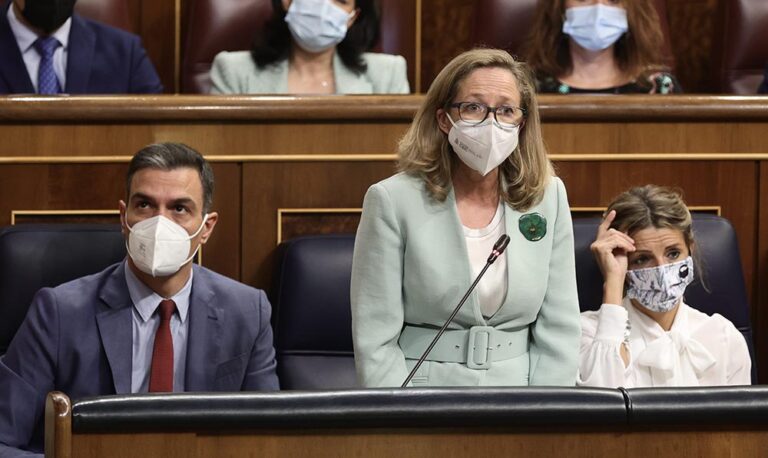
[{"x": 659, "y": 289}]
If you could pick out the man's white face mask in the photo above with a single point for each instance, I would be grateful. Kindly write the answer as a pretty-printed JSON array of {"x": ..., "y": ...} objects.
[{"x": 160, "y": 247}]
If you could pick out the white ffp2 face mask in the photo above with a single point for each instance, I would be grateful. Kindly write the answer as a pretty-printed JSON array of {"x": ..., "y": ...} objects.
[
  {"x": 316, "y": 25},
  {"x": 482, "y": 146},
  {"x": 595, "y": 27},
  {"x": 660, "y": 289},
  {"x": 159, "y": 247}
]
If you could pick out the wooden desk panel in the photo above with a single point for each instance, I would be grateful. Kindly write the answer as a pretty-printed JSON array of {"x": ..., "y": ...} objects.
[{"x": 421, "y": 443}]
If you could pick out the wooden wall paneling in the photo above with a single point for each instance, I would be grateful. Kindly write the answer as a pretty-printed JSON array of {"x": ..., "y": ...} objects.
[
  {"x": 134, "y": 10},
  {"x": 665, "y": 138},
  {"x": 159, "y": 26},
  {"x": 760, "y": 305},
  {"x": 223, "y": 251},
  {"x": 215, "y": 139},
  {"x": 268, "y": 187},
  {"x": 60, "y": 187},
  {"x": 692, "y": 25},
  {"x": 446, "y": 27}
]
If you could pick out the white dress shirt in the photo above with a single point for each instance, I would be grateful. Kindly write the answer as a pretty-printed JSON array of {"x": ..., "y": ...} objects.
[
  {"x": 492, "y": 288},
  {"x": 145, "y": 324},
  {"x": 26, "y": 37},
  {"x": 698, "y": 350}
]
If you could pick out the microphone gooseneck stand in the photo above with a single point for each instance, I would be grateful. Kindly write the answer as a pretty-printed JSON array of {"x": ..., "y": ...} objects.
[{"x": 498, "y": 249}]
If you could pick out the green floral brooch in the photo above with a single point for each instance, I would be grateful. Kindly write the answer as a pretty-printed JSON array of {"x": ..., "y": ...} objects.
[{"x": 533, "y": 226}]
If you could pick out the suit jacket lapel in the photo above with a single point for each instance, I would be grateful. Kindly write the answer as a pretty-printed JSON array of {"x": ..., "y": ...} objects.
[
  {"x": 13, "y": 71},
  {"x": 115, "y": 327},
  {"x": 347, "y": 81},
  {"x": 82, "y": 42},
  {"x": 203, "y": 344}
]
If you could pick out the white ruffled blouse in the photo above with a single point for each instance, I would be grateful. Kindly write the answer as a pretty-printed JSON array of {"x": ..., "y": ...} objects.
[{"x": 699, "y": 350}]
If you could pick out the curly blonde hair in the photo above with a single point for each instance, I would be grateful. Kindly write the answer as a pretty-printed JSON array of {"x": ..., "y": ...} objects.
[{"x": 425, "y": 152}]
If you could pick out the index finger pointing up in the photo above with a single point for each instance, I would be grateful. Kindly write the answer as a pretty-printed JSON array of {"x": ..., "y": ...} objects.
[{"x": 606, "y": 224}]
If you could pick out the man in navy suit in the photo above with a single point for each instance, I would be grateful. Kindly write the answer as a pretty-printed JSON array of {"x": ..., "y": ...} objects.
[
  {"x": 154, "y": 322},
  {"x": 86, "y": 57}
]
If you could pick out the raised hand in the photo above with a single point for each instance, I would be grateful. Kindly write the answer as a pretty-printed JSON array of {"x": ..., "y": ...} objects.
[{"x": 610, "y": 249}]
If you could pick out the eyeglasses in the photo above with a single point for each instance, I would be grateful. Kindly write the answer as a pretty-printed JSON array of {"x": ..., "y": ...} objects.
[{"x": 476, "y": 112}]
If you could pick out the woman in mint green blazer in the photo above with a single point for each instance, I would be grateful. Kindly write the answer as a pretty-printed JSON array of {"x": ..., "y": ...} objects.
[
  {"x": 313, "y": 47},
  {"x": 472, "y": 166}
]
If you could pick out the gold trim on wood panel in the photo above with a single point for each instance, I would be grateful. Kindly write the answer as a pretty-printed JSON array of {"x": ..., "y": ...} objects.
[
  {"x": 568, "y": 157},
  {"x": 15, "y": 213},
  {"x": 281, "y": 211},
  {"x": 694, "y": 208},
  {"x": 210, "y": 158},
  {"x": 596, "y": 157}
]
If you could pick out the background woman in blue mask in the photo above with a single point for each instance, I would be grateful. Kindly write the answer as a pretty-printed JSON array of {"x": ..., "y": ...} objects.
[
  {"x": 598, "y": 46},
  {"x": 651, "y": 337},
  {"x": 313, "y": 47},
  {"x": 473, "y": 167}
]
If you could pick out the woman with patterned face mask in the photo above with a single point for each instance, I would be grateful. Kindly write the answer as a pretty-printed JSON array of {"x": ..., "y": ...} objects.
[
  {"x": 473, "y": 167},
  {"x": 650, "y": 336},
  {"x": 313, "y": 47},
  {"x": 598, "y": 46}
]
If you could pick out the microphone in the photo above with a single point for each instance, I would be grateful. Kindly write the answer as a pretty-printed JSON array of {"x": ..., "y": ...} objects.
[{"x": 498, "y": 249}]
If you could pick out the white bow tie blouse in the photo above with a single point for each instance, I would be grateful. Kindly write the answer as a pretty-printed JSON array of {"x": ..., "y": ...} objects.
[{"x": 699, "y": 350}]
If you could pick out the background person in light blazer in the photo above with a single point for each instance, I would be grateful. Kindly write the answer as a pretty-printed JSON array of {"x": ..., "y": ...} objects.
[
  {"x": 313, "y": 47},
  {"x": 98, "y": 335},
  {"x": 473, "y": 166}
]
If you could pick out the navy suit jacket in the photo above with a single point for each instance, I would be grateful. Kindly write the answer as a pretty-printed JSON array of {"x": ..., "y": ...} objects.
[
  {"x": 100, "y": 60},
  {"x": 763, "y": 89},
  {"x": 77, "y": 338}
]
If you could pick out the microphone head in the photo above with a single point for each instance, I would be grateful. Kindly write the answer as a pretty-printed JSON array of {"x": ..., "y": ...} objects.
[
  {"x": 498, "y": 248},
  {"x": 501, "y": 244}
]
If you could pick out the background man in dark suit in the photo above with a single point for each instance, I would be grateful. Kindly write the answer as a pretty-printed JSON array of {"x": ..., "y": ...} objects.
[
  {"x": 154, "y": 322},
  {"x": 763, "y": 89},
  {"x": 46, "y": 48}
]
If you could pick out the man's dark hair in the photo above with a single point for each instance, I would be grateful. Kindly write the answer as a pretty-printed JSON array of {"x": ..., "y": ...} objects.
[
  {"x": 273, "y": 42},
  {"x": 171, "y": 156}
]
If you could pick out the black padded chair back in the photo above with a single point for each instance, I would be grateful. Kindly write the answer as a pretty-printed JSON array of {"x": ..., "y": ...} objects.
[
  {"x": 311, "y": 313},
  {"x": 33, "y": 256},
  {"x": 725, "y": 292}
]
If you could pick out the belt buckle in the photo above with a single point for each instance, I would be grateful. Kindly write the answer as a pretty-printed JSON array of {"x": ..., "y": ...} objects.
[{"x": 479, "y": 347}]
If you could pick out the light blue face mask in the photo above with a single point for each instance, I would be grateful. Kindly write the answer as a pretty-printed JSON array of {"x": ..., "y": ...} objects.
[
  {"x": 595, "y": 27},
  {"x": 316, "y": 25}
]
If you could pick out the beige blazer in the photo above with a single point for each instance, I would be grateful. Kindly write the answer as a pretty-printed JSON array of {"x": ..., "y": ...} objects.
[
  {"x": 237, "y": 73},
  {"x": 411, "y": 266}
]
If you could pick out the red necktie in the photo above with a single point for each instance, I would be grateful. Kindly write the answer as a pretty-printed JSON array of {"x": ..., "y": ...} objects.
[{"x": 161, "y": 373}]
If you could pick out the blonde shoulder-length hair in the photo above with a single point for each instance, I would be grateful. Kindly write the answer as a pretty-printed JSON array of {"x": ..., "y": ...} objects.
[{"x": 425, "y": 152}]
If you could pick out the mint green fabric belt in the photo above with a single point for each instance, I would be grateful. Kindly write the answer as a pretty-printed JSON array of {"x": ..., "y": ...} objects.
[{"x": 477, "y": 346}]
